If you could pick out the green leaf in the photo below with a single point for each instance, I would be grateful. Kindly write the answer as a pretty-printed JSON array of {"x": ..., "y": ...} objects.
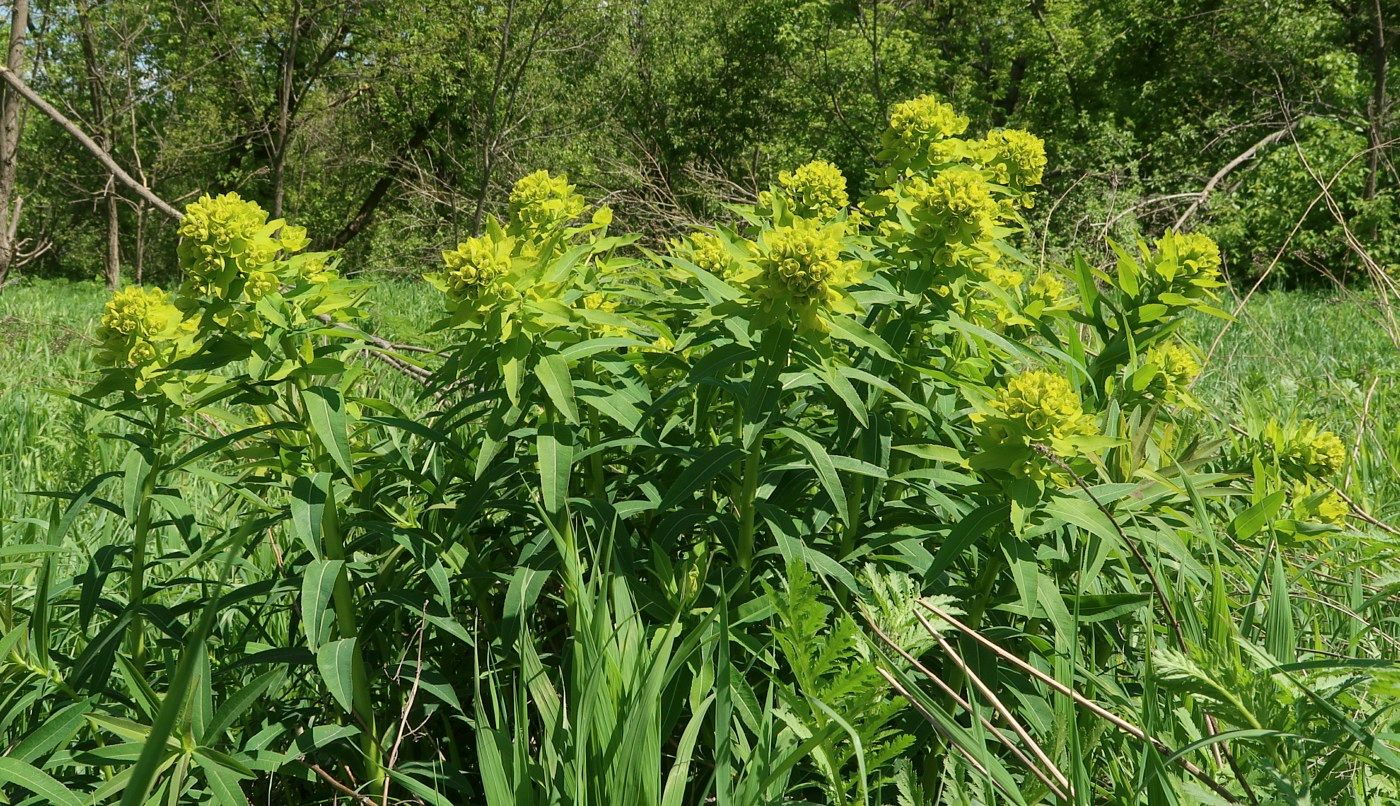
[
  {"x": 316, "y": 585},
  {"x": 57, "y": 729},
  {"x": 848, "y": 329},
  {"x": 698, "y": 473},
  {"x": 37, "y": 781},
  {"x": 234, "y": 707},
  {"x": 553, "y": 372},
  {"x": 222, "y": 781},
  {"x": 335, "y": 661},
  {"x": 308, "y": 505},
  {"x": 326, "y": 408},
  {"x": 825, "y": 469},
  {"x": 555, "y": 449},
  {"x": 1248, "y": 523}
]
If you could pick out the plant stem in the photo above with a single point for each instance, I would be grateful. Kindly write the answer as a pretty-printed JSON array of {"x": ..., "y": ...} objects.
[
  {"x": 748, "y": 491},
  {"x": 136, "y": 593},
  {"x": 347, "y": 626}
]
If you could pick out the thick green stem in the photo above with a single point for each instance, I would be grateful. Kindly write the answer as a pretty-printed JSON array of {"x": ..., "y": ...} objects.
[
  {"x": 136, "y": 592},
  {"x": 342, "y": 599},
  {"x": 347, "y": 626},
  {"x": 748, "y": 491}
]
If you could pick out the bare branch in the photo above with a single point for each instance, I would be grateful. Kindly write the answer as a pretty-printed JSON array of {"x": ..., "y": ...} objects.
[
  {"x": 78, "y": 134},
  {"x": 1240, "y": 159}
]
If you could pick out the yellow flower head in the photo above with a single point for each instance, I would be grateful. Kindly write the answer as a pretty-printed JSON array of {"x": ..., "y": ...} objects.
[
  {"x": 1189, "y": 263},
  {"x": 293, "y": 239},
  {"x": 260, "y": 284},
  {"x": 816, "y": 190},
  {"x": 1177, "y": 368},
  {"x": 958, "y": 201},
  {"x": 1016, "y": 158},
  {"x": 801, "y": 262},
  {"x": 1325, "y": 454},
  {"x": 541, "y": 202},
  {"x": 140, "y": 312},
  {"x": 315, "y": 269},
  {"x": 224, "y": 238},
  {"x": 1048, "y": 289},
  {"x": 707, "y": 250},
  {"x": 920, "y": 122},
  {"x": 1030, "y": 413},
  {"x": 1008, "y": 279},
  {"x": 477, "y": 266},
  {"x": 137, "y": 325},
  {"x": 1040, "y": 406},
  {"x": 1305, "y": 450},
  {"x": 1332, "y": 509},
  {"x": 225, "y": 221}
]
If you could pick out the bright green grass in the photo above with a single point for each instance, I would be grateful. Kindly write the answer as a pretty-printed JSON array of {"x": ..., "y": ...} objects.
[{"x": 1328, "y": 357}]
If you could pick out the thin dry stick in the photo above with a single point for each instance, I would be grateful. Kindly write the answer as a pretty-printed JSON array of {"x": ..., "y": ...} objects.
[
  {"x": 1243, "y": 157},
  {"x": 1084, "y": 702},
  {"x": 97, "y": 151},
  {"x": 408, "y": 704},
  {"x": 1360, "y": 431},
  {"x": 962, "y": 703},
  {"x": 344, "y": 789},
  {"x": 904, "y": 692},
  {"x": 996, "y": 703}
]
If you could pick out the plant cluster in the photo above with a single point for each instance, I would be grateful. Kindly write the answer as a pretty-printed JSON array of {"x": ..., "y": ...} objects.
[{"x": 740, "y": 522}]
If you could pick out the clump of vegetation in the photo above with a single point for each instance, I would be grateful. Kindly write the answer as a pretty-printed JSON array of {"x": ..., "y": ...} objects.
[{"x": 846, "y": 503}]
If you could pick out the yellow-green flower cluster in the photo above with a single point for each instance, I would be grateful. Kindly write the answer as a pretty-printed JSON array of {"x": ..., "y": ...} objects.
[
  {"x": 707, "y": 250},
  {"x": 1176, "y": 369},
  {"x": 478, "y": 267},
  {"x": 1015, "y": 159},
  {"x": 1188, "y": 264},
  {"x": 1323, "y": 505},
  {"x": 1332, "y": 509},
  {"x": 1048, "y": 290},
  {"x": 229, "y": 250},
  {"x": 1008, "y": 279},
  {"x": 956, "y": 204},
  {"x": 816, "y": 190},
  {"x": 607, "y": 305},
  {"x": 1325, "y": 454},
  {"x": 918, "y": 123},
  {"x": 137, "y": 326},
  {"x": 1033, "y": 411},
  {"x": 1307, "y": 450},
  {"x": 1039, "y": 406},
  {"x": 801, "y": 262},
  {"x": 541, "y": 202},
  {"x": 222, "y": 239}
]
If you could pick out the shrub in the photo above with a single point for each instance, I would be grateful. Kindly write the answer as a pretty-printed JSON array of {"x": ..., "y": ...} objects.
[{"x": 689, "y": 525}]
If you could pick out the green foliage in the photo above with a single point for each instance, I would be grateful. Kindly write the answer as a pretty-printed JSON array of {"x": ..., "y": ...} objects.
[
  {"x": 691, "y": 525},
  {"x": 1263, "y": 218}
]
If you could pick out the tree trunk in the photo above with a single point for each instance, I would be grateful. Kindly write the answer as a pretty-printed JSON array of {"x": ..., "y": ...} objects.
[
  {"x": 284, "y": 112},
  {"x": 113, "y": 262},
  {"x": 99, "y": 97},
  {"x": 1376, "y": 108},
  {"x": 139, "y": 261},
  {"x": 365, "y": 214},
  {"x": 9, "y": 139}
]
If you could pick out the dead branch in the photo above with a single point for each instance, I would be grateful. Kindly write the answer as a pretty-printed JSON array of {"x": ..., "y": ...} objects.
[
  {"x": 78, "y": 134},
  {"x": 1240, "y": 159}
]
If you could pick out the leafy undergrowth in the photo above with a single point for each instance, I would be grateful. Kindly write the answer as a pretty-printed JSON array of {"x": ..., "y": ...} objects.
[{"x": 836, "y": 503}]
